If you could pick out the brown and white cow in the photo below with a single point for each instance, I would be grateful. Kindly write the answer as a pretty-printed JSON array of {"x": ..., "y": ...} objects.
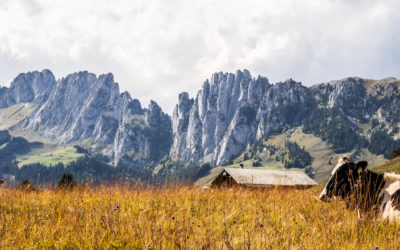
[{"x": 365, "y": 190}]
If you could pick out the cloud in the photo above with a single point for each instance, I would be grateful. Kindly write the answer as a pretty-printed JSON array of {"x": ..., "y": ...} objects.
[{"x": 156, "y": 49}]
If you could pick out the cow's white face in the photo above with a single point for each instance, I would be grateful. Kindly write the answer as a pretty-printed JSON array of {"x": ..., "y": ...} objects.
[
  {"x": 324, "y": 194},
  {"x": 343, "y": 179}
]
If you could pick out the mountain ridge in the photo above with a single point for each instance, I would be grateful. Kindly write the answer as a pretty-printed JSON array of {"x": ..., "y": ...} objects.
[
  {"x": 82, "y": 106},
  {"x": 229, "y": 115}
]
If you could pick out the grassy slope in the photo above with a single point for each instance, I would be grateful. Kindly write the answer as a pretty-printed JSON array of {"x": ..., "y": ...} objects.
[
  {"x": 49, "y": 154},
  {"x": 318, "y": 149},
  {"x": 392, "y": 166},
  {"x": 14, "y": 114},
  {"x": 323, "y": 155},
  {"x": 183, "y": 217}
]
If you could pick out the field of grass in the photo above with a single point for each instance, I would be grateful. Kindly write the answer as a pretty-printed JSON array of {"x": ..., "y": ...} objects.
[
  {"x": 183, "y": 217},
  {"x": 49, "y": 154}
]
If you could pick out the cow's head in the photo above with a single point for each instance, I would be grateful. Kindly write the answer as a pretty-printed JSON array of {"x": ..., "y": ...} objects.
[{"x": 343, "y": 180}]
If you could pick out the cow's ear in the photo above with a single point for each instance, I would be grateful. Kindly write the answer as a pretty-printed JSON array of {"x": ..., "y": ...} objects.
[{"x": 361, "y": 165}]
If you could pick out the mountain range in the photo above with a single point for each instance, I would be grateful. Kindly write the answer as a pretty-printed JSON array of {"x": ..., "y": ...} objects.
[{"x": 230, "y": 114}]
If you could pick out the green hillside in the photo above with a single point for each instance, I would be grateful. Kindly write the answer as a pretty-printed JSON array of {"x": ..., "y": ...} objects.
[
  {"x": 324, "y": 158},
  {"x": 14, "y": 114},
  {"x": 49, "y": 154},
  {"x": 392, "y": 166},
  {"x": 19, "y": 150}
]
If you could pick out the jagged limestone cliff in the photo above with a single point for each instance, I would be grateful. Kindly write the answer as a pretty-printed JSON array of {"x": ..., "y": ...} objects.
[
  {"x": 231, "y": 112},
  {"x": 227, "y": 116},
  {"x": 82, "y": 106}
]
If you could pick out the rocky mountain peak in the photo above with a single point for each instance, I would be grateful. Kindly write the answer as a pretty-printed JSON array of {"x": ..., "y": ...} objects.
[
  {"x": 154, "y": 114},
  {"x": 347, "y": 94},
  {"x": 388, "y": 80},
  {"x": 202, "y": 127},
  {"x": 28, "y": 87},
  {"x": 82, "y": 106},
  {"x": 285, "y": 104},
  {"x": 230, "y": 113},
  {"x": 38, "y": 82}
]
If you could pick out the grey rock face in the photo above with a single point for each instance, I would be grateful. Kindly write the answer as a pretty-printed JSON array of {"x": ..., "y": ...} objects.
[
  {"x": 143, "y": 134},
  {"x": 221, "y": 121},
  {"x": 383, "y": 102},
  {"x": 347, "y": 94},
  {"x": 286, "y": 104},
  {"x": 82, "y": 107},
  {"x": 228, "y": 114},
  {"x": 28, "y": 87},
  {"x": 361, "y": 99},
  {"x": 180, "y": 124}
]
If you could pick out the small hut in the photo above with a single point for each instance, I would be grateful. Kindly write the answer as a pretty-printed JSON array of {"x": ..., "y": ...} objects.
[{"x": 262, "y": 178}]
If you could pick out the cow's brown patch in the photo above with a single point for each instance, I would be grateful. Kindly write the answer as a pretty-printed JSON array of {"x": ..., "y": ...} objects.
[{"x": 396, "y": 200}]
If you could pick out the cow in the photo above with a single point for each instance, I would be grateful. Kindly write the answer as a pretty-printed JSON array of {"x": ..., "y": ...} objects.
[
  {"x": 1, "y": 182},
  {"x": 364, "y": 190}
]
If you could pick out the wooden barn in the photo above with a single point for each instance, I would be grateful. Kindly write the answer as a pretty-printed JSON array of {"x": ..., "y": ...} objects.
[{"x": 262, "y": 178}]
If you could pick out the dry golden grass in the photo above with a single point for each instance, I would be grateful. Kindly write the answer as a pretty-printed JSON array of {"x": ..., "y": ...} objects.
[{"x": 183, "y": 217}]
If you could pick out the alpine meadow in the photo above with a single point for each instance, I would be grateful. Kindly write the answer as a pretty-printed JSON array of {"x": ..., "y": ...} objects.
[
  {"x": 135, "y": 217},
  {"x": 229, "y": 124}
]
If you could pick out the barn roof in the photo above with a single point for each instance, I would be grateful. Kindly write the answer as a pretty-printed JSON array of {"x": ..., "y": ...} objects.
[{"x": 256, "y": 177}]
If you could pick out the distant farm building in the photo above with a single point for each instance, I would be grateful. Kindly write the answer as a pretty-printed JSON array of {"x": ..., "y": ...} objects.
[{"x": 262, "y": 178}]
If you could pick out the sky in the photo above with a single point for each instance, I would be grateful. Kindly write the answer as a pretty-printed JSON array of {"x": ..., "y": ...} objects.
[{"x": 157, "y": 49}]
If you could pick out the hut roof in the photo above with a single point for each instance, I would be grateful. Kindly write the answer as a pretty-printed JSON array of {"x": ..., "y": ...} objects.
[{"x": 256, "y": 177}]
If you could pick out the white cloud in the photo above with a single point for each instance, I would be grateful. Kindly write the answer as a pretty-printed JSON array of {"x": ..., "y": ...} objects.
[{"x": 157, "y": 49}]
